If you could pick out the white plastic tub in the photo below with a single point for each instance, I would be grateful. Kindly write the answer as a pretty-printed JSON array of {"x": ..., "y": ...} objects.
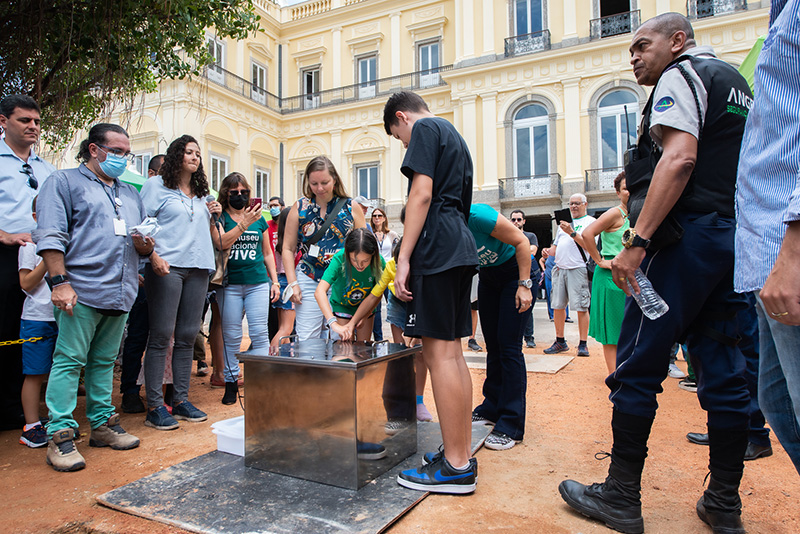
[{"x": 230, "y": 435}]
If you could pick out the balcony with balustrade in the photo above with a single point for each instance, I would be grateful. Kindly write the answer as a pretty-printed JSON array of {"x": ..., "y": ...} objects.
[
  {"x": 700, "y": 9},
  {"x": 538, "y": 189},
  {"x": 617, "y": 24},
  {"x": 519, "y": 45},
  {"x": 380, "y": 88},
  {"x": 598, "y": 184}
]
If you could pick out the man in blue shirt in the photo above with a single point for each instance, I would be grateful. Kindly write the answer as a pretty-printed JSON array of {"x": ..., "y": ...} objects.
[
  {"x": 83, "y": 236},
  {"x": 22, "y": 172},
  {"x": 768, "y": 217}
]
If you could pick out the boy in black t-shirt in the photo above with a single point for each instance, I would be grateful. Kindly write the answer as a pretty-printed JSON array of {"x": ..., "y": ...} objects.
[{"x": 434, "y": 269}]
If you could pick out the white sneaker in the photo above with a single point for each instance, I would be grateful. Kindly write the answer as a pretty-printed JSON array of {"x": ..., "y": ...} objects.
[
  {"x": 497, "y": 441},
  {"x": 675, "y": 371}
]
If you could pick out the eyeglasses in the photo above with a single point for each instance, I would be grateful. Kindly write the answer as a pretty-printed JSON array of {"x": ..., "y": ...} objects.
[
  {"x": 576, "y": 203},
  {"x": 130, "y": 156},
  {"x": 33, "y": 183},
  {"x": 377, "y": 216},
  {"x": 515, "y": 219}
]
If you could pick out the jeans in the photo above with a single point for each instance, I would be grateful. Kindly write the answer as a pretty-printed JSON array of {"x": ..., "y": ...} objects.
[
  {"x": 506, "y": 376},
  {"x": 703, "y": 306},
  {"x": 85, "y": 339},
  {"x": 747, "y": 320},
  {"x": 779, "y": 380},
  {"x": 377, "y": 323},
  {"x": 309, "y": 321},
  {"x": 175, "y": 304},
  {"x": 135, "y": 343},
  {"x": 254, "y": 299}
]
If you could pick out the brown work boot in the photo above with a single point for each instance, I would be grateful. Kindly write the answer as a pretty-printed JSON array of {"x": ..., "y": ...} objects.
[
  {"x": 61, "y": 452},
  {"x": 110, "y": 434}
]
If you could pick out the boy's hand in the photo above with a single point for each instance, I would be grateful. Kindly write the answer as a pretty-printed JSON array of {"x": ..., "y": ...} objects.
[{"x": 401, "y": 290}]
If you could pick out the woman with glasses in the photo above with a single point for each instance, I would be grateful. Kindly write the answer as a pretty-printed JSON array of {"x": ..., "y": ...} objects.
[
  {"x": 251, "y": 267},
  {"x": 379, "y": 223},
  {"x": 176, "y": 277}
]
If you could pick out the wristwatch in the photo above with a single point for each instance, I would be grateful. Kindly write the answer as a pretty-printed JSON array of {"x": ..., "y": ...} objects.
[
  {"x": 57, "y": 280},
  {"x": 525, "y": 283},
  {"x": 630, "y": 239}
]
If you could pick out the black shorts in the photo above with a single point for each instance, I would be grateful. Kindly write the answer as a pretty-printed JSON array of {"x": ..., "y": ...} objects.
[{"x": 441, "y": 307}]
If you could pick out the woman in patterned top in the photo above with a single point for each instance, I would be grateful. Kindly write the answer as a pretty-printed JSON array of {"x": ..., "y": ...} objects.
[{"x": 322, "y": 188}]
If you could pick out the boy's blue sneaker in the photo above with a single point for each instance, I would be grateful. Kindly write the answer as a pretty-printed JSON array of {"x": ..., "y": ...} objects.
[
  {"x": 430, "y": 457},
  {"x": 439, "y": 477},
  {"x": 187, "y": 411},
  {"x": 160, "y": 419},
  {"x": 370, "y": 451},
  {"x": 34, "y": 437}
]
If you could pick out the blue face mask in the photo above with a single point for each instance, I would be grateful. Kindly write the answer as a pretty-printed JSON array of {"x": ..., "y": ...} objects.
[
  {"x": 275, "y": 211},
  {"x": 113, "y": 166}
]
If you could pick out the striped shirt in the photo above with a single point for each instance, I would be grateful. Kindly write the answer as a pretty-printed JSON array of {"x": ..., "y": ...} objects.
[{"x": 768, "y": 192}]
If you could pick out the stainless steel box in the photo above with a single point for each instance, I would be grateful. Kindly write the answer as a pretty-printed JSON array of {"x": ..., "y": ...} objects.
[{"x": 328, "y": 411}]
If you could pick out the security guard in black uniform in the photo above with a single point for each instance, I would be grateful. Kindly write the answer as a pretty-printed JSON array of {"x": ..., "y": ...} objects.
[{"x": 682, "y": 177}]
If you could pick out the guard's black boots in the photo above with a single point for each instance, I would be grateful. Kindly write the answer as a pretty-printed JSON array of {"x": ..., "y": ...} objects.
[
  {"x": 616, "y": 502},
  {"x": 720, "y": 506}
]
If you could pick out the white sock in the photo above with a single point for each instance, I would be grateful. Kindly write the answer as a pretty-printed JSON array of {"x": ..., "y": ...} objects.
[
  {"x": 463, "y": 467},
  {"x": 32, "y": 425}
]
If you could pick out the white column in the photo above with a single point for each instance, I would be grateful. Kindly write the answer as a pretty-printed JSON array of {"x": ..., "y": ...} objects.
[
  {"x": 488, "y": 26},
  {"x": 490, "y": 169},
  {"x": 241, "y": 155},
  {"x": 662, "y": 6},
  {"x": 336, "y": 154},
  {"x": 336, "y": 49},
  {"x": 396, "y": 186},
  {"x": 459, "y": 31},
  {"x": 570, "y": 19},
  {"x": 466, "y": 28},
  {"x": 572, "y": 127},
  {"x": 395, "y": 43},
  {"x": 469, "y": 124}
]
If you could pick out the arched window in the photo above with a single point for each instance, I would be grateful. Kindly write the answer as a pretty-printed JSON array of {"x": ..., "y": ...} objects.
[
  {"x": 612, "y": 111},
  {"x": 531, "y": 143}
]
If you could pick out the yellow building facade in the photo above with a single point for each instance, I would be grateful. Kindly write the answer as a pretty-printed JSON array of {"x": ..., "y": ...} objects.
[{"x": 541, "y": 91}]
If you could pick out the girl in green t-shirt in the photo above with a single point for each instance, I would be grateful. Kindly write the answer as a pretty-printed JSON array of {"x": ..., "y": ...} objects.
[{"x": 352, "y": 273}]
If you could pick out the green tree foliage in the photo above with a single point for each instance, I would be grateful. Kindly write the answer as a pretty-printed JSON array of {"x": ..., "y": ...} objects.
[{"x": 76, "y": 57}]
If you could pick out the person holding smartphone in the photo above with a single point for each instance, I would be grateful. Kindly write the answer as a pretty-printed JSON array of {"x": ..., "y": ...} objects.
[{"x": 252, "y": 279}]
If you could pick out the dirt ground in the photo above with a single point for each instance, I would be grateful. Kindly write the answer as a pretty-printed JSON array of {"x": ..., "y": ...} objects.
[{"x": 568, "y": 422}]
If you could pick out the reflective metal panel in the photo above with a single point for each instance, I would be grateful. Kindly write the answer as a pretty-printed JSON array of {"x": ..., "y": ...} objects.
[{"x": 332, "y": 412}]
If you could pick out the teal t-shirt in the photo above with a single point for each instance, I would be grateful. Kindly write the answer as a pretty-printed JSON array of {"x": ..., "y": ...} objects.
[
  {"x": 346, "y": 294},
  {"x": 491, "y": 251},
  {"x": 246, "y": 260}
]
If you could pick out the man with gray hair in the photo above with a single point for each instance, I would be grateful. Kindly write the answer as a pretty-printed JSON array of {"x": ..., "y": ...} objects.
[
  {"x": 682, "y": 178},
  {"x": 570, "y": 277}
]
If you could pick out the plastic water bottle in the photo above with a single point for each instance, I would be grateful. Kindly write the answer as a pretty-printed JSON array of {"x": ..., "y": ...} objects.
[{"x": 651, "y": 303}]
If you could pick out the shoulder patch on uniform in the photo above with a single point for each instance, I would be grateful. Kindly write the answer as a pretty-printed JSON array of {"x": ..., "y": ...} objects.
[{"x": 664, "y": 104}]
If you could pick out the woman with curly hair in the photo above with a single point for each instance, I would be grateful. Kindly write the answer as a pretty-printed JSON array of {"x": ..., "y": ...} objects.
[{"x": 176, "y": 277}]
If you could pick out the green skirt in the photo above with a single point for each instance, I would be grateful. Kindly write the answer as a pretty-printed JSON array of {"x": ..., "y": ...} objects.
[{"x": 608, "y": 308}]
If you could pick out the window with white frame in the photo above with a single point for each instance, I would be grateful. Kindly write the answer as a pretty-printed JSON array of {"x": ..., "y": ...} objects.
[
  {"x": 216, "y": 48},
  {"x": 141, "y": 161},
  {"x": 528, "y": 16},
  {"x": 219, "y": 170},
  {"x": 260, "y": 186},
  {"x": 367, "y": 74},
  {"x": 614, "y": 136},
  {"x": 310, "y": 83},
  {"x": 367, "y": 180},
  {"x": 531, "y": 141},
  {"x": 428, "y": 64},
  {"x": 258, "y": 79}
]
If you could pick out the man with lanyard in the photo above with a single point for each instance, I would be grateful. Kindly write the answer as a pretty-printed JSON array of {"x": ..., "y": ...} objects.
[
  {"x": 518, "y": 219},
  {"x": 92, "y": 260},
  {"x": 695, "y": 119},
  {"x": 22, "y": 172},
  {"x": 570, "y": 277}
]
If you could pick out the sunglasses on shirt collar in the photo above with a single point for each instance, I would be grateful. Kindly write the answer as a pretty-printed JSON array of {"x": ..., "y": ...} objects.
[{"x": 33, "y": 183}]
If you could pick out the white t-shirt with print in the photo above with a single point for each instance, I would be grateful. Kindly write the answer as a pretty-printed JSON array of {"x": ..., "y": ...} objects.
[{"x": 567, "y": 254}]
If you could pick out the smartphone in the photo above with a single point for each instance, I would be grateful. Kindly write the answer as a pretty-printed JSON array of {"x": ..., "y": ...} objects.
[
  {"x": 563, "y": 215},
  {"x": 255, "y": 201}
]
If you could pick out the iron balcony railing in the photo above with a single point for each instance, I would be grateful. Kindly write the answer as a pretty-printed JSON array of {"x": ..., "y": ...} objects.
[
  {"x": 601, "y": 179},
  {"x": 365, "y": 90},
  {"x": 529, "y": 43},
  {"x": 540, "y": 185},
  {"x": 340, "y": 95},
  {"x": 617, "y": 24},
  {"x": 699, "y": 9}
]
